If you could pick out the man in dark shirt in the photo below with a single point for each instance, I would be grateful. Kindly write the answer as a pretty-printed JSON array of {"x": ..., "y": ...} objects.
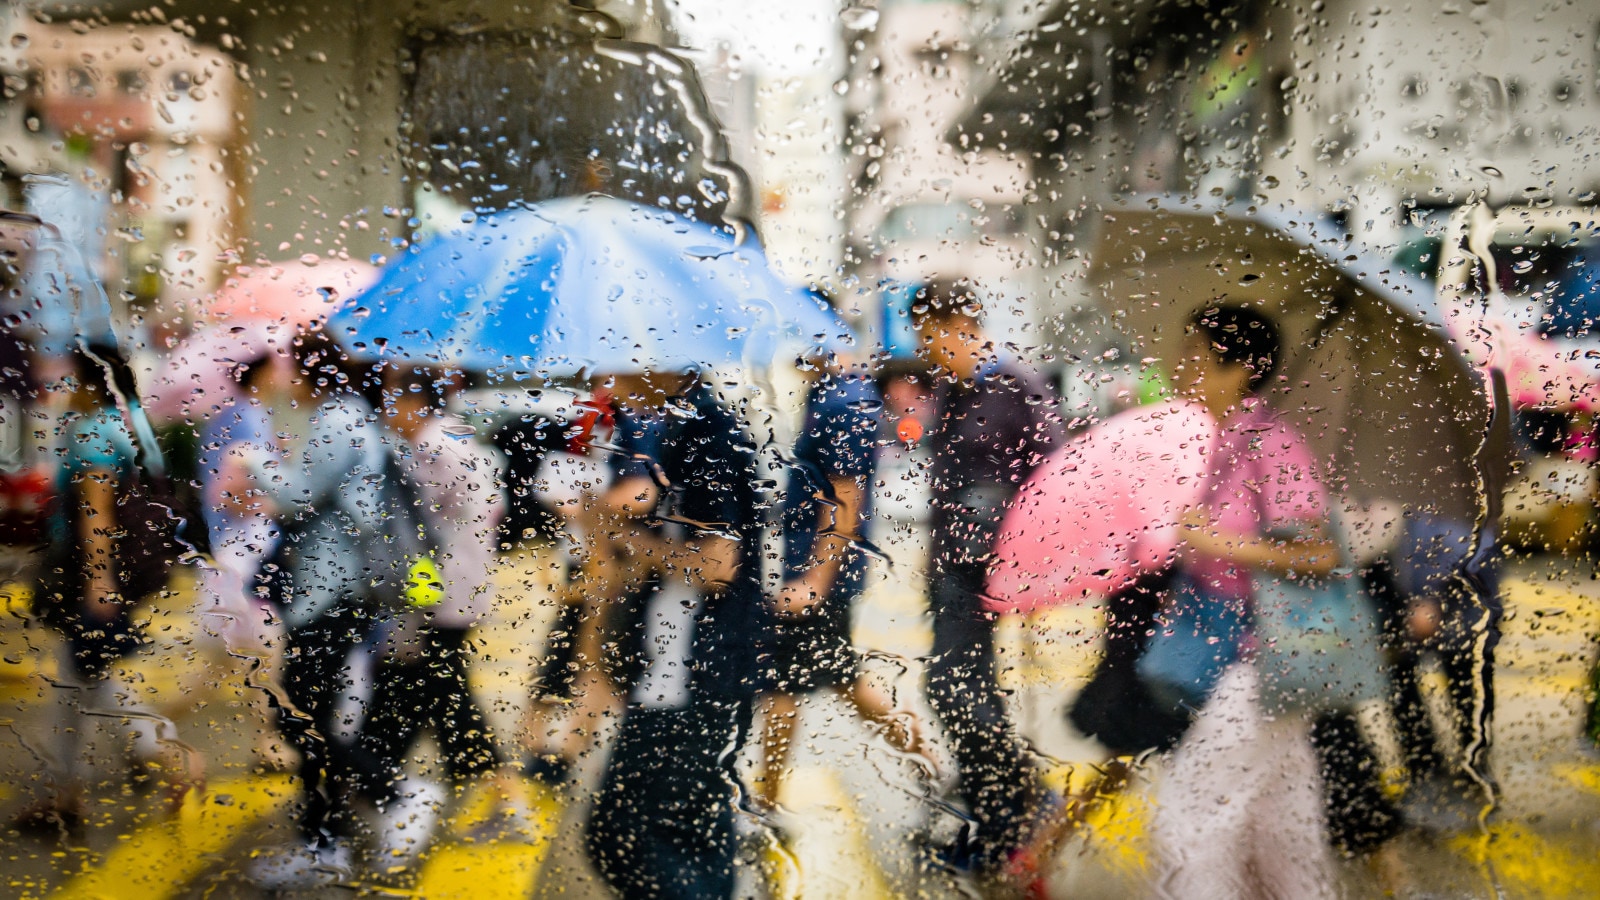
[
  {"x": 684, "y": 513},
  {"x": 995, "y": 421}
]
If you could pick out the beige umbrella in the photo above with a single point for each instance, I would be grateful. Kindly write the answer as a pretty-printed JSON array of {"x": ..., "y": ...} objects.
[{"x": 1370, "y": 376}]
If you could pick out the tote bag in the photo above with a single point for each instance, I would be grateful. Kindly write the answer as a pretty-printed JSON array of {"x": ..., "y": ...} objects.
[
  {"x": 1197, "y": 636},
  {"x": 1317, "y": 643}
]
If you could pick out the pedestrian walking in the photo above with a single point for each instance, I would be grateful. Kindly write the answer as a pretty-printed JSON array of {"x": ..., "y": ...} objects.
[
  {"x": 111, "y": 543},
  {"x": 1239, "y": 809},
  {"x": 994, "y": 422},
  {"x": 684, "y": 512},
  {"x": 421, "y": 682},
  {"x": 320, "y": 482},
  {"x": 826, "y": 509}
]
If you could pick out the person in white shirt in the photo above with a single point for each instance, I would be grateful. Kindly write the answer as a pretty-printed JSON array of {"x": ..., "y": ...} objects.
[{"x": 422, "y": 684}]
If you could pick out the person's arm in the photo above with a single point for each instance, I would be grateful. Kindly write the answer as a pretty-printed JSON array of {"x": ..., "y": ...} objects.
[
  {"x": 97, "y": 491},
  {"x": 1315, "y": 554},
  {"x": 838, "y": 525},
  {"x": 622, "y": 552}
]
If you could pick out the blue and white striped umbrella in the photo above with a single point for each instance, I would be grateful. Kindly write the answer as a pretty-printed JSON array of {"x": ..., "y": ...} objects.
[{"x": 590, "y": 283}]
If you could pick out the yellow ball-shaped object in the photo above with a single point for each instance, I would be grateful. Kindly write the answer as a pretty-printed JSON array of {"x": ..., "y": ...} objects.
[{"x": 424, "y": 584}]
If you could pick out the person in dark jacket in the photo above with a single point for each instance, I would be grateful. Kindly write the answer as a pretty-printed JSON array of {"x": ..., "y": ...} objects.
[
  {"x": 994, "y": 422},
  {"x": 683, "y": 513}
]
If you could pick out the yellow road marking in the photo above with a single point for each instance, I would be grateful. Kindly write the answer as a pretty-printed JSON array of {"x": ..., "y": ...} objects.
[
  {"x": 506, "y": 867},
  {"x": 1116, "y": 828},
  {"x": 1583, "y": 776},
  {"x": 158, "y": 860},
  {"x": 1533, "y": 866}
]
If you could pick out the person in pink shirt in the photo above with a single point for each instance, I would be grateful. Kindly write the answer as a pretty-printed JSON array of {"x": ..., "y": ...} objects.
[{"x": 1239, "y": 809}]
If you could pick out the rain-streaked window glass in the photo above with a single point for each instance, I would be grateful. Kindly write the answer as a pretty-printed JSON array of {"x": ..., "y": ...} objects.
[{"x": 906, "y": 448}]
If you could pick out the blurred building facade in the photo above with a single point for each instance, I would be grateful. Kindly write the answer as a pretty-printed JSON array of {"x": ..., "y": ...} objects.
[
  {"x": 307, "y": 130},
  {"x": 921, "y": 206},
  {"x": 1369, "y": 113},
  {"x": 129, "y": 139}
]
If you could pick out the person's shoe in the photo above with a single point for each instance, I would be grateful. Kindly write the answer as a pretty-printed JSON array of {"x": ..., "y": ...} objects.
[
  {"x": 50, "y": 819},
  {"x": 303, "y": 867},
  {"x": 405, "y": 824}
]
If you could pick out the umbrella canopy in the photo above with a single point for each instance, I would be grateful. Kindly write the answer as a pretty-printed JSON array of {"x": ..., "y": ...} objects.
[
  {"x": 295, "y": 292},
  {"x": 1103, "y": 508},
  {"x": 582, "y": 283},
  {"x": 1369, "y": 374},
  {"x": 198, "y": 377}
]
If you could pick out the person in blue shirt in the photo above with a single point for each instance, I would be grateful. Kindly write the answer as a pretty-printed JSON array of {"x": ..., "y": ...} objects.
[
  {"x": 825, "y": 510},
  {"x": 683, "y": 514}
]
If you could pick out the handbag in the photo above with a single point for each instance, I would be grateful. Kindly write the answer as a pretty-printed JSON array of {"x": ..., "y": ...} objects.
[
  {"x": 1318, "y": 644},
  {"x": 1197, "y": 636}
]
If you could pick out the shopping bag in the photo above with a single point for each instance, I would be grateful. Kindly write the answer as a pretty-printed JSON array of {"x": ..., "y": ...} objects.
[{"x": 1318, "y": 644}]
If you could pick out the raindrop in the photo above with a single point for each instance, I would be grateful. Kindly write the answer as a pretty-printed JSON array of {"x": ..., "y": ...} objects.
[
  {"x": 859, "y": 18},
  {"x": 705, "y": 251}
]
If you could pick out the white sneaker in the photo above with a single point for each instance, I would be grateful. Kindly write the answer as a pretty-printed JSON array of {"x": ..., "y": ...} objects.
[
  {"x": 303, "y": 867},
  {"x": 405, "y": 824}
]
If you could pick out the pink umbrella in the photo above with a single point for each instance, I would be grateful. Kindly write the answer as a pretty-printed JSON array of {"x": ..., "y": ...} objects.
[
  {"x": 296, "y": 292},
  {"x": 198, "y": 378},
  {"x": 1541, "y": 370},
  {"x": 1102, "y": 509}
]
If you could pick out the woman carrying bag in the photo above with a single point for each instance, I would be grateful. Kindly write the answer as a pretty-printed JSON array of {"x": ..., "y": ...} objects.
[{"x": 1239, "y": 811}]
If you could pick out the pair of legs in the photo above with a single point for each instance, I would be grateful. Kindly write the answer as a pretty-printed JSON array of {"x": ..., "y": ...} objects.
[
  {"x": 662, "y": 822},
  {"x": 429, "y": 691},
  {"x": 87, "y": 690},
  {"x": 1239, "y": 810},
  {"x": 779, "y": 711},
  {"x": 1465, "y": 646},
  {"x": 811, "y": 653},
  {"x": 997, "y": 777},
  {"x": 316, "y": 672}
]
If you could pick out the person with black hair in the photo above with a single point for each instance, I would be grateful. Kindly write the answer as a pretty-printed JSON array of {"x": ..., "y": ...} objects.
[
  {"x": 825, "y": 513},
  {"x": 106, "y": 553},
  {"x": 1239, "y": 810},
  {"x": 994, "y": 422},
  {"x": 320, "y": 480},
  {"x": 421, "y": 683},
  {"x": 683, "y": 515}
]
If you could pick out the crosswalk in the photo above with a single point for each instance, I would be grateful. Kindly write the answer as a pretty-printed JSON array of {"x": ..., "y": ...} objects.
[
  {"x": 840, "y": 823},
  {"x": 157, "y": 859}
]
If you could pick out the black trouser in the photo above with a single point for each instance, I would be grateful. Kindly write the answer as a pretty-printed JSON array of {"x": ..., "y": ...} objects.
[
  {"x": 997, "y": 776},
  {"x": 662, "y": 823},
  {"x": 1465, "y": 645},
  {"x": 1359, "y": 816},
  {"x": 428, "y": 691},
  {"x": 315, "y": 673}
]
